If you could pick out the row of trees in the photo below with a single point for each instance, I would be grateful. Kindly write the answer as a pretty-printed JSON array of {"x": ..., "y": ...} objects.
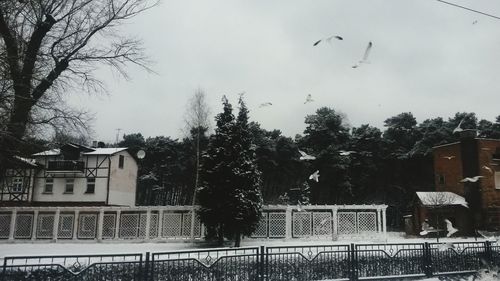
[{"x": 384, "y": 166}]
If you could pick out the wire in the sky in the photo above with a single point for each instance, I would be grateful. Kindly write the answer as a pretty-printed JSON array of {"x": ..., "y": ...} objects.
[{"x": 469, "y": 9}]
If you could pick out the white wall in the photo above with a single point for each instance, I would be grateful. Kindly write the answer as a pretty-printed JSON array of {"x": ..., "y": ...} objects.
[
  {"x": 80, "y": 183},
  {"x": 123, "y": 182}
]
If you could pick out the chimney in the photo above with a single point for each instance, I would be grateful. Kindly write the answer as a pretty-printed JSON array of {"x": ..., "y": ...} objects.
[{"x": 94, "y": 144}]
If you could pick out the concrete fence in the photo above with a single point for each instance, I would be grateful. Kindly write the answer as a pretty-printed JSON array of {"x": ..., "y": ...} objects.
[{"x": 175, "y": 222}]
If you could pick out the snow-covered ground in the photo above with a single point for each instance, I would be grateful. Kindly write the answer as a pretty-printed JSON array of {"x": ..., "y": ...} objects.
[{"x": 81, "y": 248}]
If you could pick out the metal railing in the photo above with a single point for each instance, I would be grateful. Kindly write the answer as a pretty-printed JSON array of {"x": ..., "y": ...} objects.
[
  {"x": 65, "y": 165},
  {"x": 319, "y": 262}
]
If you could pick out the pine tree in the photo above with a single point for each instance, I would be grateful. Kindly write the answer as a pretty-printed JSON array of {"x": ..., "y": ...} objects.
[
  {"x": 246, "y": 199},
  {"x": 230, "y": 195}
]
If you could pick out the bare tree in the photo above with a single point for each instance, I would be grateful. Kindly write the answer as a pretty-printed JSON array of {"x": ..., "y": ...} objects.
[
  {"x": 51, "y": 46},
  {"x": 197, "y": 123}
]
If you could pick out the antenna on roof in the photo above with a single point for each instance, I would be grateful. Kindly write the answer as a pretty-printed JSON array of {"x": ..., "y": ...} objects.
[{"x": 117, "y": 134}]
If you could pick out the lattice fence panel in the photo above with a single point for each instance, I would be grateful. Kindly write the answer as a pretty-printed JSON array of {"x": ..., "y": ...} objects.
[
  {"x": 142, "y": 225},
  {"x": 65, "y": 228},
  {"x": 24, "y": 226},
  {"x": 5, "y": 225},
  {"x": 261, "y": 230},
  {"x": 186, "y": 225},
  {"x": 87, "y": 226},
  {"x": 172, "y": 225},
  {"x": 301, "y": 224},
  {"x": 153, "y": 226},
  {"x": 108, "y": 226},
  {"x": 45, "y": 226},
  {"x": 367, "y": 222},
  {"x": 346, "y": 222},
  {"x": 129, "y": 226},
  {"x": 322, "y": 223},
  {"x": 277, "y": 224}
]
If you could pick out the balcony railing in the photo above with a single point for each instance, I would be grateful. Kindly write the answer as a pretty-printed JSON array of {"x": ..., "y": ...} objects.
[{"x": 65, "y": 166}]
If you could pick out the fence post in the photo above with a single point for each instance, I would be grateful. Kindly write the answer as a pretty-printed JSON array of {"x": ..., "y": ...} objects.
[
  {"x": 488, "y": 252},
  {"x": 12, "y": 224},
  {"x": 145, "y": 273},
  {"x": 4, "y": 270},
  {"x": 353, "y": 263},
  {"x": 261, "y": 264},
  {"x": 427, "y": 260}
]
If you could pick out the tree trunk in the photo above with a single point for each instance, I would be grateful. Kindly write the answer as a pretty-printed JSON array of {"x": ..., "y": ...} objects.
[
  {"x": 221, "y": 235},
  {"x": 237, "y": 239}
]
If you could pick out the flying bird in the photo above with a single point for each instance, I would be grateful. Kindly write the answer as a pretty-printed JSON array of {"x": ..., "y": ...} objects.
[
  {"x": 488, "y": 169},
  {"x": 308, "y": 99},
  {"x": 471, "y": 179},
  {"x": 449, "y": 157},
  {"x": 305, "y": 156},
  {"x": 474, "y": 22},
  {"x": 426, "y": 228},
  {"x": 449, "y": 228},
  {"x": 446, "y": 246},
  {"x": 346, "y": 153},
  {"x": 328, "y": 39},
  {"x": 365, "y": 55},
  {"x": 265, "y": 104},
  {"x": 315, "y": 176},
  {"x": 490, "y": 236},
  {"x": 459, "y": 127}
]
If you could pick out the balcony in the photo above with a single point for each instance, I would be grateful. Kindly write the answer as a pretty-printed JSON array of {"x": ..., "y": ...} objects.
[{"x": 63, "y": 166}]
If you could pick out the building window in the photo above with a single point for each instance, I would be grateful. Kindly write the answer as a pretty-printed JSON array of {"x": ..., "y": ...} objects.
[
  {"x": 49, "y": 186},
  {"x": 90, "y": 185},
  {"x": 497, "y": 180},
  {"x": 121, "y": 160},
  {"x": 70, "y": 184},
  {"x": 17, "y": 185},
  {"x": 441, "y": 179}
]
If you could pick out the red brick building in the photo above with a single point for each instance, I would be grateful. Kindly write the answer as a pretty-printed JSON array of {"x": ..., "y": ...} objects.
[{"x": 472, "y": 157}]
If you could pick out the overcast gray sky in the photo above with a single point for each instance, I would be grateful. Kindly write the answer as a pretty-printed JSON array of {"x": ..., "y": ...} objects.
[{"x": 427, "y": 58}]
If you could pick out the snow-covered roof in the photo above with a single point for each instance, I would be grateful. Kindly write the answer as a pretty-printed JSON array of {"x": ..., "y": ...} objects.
[
  {"x": 441, "y": 198},
  {"x": 105, "y": 151},
  {"x": 27, "y": 161},
  {"x": 96, "y": 151},
  {"x": 51, "y": 152}
]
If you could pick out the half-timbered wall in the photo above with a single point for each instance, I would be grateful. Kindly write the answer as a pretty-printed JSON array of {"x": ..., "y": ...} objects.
[{"x": 17, "y": 185}]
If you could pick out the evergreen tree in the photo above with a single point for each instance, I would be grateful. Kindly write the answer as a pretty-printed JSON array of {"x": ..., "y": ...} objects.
[{"x": 230, "y": 195}]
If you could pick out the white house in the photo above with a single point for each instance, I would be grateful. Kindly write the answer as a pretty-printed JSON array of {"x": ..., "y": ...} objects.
[
  {"x": 76, "y": 175},
  {"x": 16, "y": 183}
]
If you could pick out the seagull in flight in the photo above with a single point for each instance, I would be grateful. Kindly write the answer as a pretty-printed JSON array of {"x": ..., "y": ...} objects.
[
  {"x": 459, "y": 127},
  {"x": 308, "y": 99},
  {"x": 446, "y": 246},
  {"x": 365, "y": 55},
  {"x": 471, "y": 179},
  {"x": 346, "y": 153},
  {"x": 474, "y": 22},
  {"x": 315, "y": 176},
  {"x": 449, "y": 157},
  {"x": 265, "y": 104},
  {"x": 449, "y": 228},
  {"x": 305, "y": 156},
  {"x": 488, "y": 169},
  {"x": 328, "y": 39}
]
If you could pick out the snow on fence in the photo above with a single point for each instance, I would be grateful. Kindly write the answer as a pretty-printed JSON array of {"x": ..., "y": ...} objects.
[{"x": 174, "y": 222}]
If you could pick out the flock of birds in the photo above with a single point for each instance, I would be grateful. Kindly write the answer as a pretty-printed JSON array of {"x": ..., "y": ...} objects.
[
  {"x": 329, "y": 39},
  {"x": 459, "y": 129}
]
